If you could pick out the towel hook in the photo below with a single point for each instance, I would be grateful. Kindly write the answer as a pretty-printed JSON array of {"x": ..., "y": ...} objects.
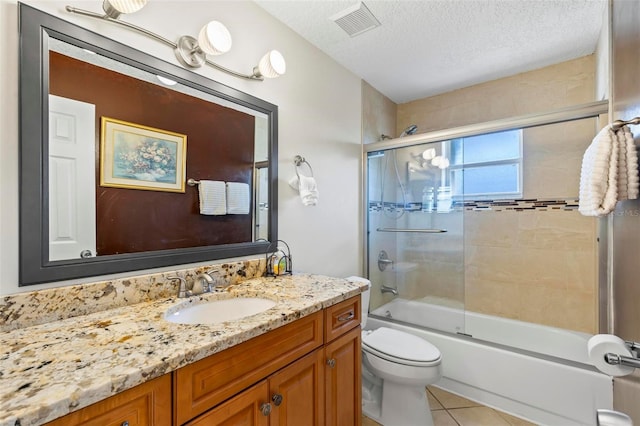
[{"x": 299, "y": 160}]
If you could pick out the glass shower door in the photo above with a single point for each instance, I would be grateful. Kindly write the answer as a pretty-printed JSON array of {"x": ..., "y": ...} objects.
[{"x": 415, "y": 237}]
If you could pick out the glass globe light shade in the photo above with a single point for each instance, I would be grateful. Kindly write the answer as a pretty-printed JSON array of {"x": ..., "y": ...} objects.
[
  {"x": 272, "y": 65},
  {"x": 114, "y": 8},
  {"x": 444, "y": 163},
  {"x": 214, "y": 38},
  {"x": 429, "y": 153}
]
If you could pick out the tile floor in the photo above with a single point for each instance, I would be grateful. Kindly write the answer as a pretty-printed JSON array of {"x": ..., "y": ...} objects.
[{"x": 452, "y": 410}]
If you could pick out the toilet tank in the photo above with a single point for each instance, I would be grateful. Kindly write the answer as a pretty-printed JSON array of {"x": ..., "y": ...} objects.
[{"x": 365, "y": 297}]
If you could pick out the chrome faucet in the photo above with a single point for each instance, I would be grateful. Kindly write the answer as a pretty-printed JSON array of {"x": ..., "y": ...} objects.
[
  {"x": 208, "y": 283},
  {"x": 387, "y": 289},
  {"x": 183, "y": 292}
]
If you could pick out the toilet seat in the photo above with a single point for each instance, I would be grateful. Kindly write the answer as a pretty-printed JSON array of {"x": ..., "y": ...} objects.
[{"x": 400, "y": 347}]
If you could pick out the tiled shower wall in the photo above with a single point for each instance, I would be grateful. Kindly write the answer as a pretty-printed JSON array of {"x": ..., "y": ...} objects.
[
  {"x": 537, "y": 264},
  {"x": 537, "y": 261}
]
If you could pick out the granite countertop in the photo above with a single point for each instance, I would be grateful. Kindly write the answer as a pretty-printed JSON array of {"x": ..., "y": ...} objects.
[{"x": 49, "y": 370}]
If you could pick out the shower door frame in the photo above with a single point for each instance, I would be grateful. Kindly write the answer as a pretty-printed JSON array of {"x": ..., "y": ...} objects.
[{"x": 572, "y": 113}]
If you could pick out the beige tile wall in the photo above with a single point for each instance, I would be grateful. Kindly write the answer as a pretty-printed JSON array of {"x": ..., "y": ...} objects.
[
  {"x": 537, "y": 266},
  {"x": 568, "y": 83},
  {"x": 378, "y": 115}
]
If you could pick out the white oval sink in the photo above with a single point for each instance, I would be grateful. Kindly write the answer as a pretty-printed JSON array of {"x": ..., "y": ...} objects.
[{"x": 215, "y": 311}]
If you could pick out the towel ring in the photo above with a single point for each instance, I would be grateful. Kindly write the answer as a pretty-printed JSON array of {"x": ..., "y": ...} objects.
[{"x": 299, "y": 161}]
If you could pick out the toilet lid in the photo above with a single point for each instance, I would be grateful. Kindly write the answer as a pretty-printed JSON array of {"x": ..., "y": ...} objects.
[{"x": 399, "y": 344}]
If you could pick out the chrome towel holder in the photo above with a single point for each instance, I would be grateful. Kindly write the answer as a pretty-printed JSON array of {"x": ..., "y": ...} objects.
[
  {"x": 299, "y": 160},
  {"x": 617, "y": 125}
]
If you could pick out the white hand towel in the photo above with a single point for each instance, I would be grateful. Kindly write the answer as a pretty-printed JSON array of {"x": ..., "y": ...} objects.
[
  {"x": 308, "y": 190},
  {"x": 212, "y": 197},
  {"x": 627, "y": 165},
  {"x": 599, "y": 175},
  {"x": 238, "y": 198}
]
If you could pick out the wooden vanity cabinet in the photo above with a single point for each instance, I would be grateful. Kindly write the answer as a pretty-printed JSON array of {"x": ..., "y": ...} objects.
[
  {"x": 206, "y": 383},
  {"x": 308, "y": 374},
  {"x": 292, "y": 396},
  {"x": 145, "y": 404},
  {"x": 343, "y": 389}
]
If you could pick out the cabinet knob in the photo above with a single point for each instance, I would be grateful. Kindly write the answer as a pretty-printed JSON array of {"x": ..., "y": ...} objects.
[
  {"x": 277, "y": 399},
  {"x": 125, "y": 423},
  {"x": 331, "y": 362},
  {"x": 265, "y": 409}
]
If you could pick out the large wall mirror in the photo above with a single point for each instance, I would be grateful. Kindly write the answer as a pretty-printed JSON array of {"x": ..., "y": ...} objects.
[{"x": 109, "y": 138}]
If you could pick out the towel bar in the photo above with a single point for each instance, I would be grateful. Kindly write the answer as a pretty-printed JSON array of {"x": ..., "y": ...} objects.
[
  {"x": 193, "y": 182},
  {"x": 423, "y": 231},
  {"x": 616, "y": 125}
]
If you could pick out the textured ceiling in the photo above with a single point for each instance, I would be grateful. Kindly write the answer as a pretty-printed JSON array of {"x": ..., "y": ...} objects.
[{"x": 428, "y": 47}]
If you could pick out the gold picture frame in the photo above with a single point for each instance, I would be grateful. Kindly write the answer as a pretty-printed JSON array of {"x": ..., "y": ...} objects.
[{"x": 134, "y": 156}]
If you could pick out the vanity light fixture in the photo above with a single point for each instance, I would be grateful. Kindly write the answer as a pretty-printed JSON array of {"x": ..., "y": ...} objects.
[
  {"x": 429, "y": 154},
  {"x": 166, "y": 81},
  {"x": 213, "y": 39},
  {"x": 114, "y": 8}
]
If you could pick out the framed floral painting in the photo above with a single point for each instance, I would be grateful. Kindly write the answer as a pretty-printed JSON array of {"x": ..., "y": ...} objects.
[{"x": 140, "y": 157}]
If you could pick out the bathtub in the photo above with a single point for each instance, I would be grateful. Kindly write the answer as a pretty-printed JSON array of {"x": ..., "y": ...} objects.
[{"x": 535, "y": 372}]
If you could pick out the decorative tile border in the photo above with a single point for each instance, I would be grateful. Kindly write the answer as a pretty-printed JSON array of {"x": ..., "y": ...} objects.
[
  {"x": 565, "y": 204},
  {"x": 569, "y": 204}
]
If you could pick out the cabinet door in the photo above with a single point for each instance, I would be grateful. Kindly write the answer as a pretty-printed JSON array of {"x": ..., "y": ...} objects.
[
  {"x": 145, "y": 404},
  {"x": 343, "y": 392},
  {"x": 297, "y": 392},
  {"x": 249, "y": 408},
  {"x": 210, "y": 381}
]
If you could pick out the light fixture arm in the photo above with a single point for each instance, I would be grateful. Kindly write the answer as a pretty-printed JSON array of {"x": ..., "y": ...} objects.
[
  {"x": 255, "y": 76},
  {"x": 120, "y": 22}
]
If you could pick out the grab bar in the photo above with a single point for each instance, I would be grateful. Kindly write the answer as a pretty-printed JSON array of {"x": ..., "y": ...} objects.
[{"x": 423, "y": 231}]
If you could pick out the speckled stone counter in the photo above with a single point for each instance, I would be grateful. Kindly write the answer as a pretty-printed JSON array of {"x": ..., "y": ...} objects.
[{"x": 51, "y": 369}]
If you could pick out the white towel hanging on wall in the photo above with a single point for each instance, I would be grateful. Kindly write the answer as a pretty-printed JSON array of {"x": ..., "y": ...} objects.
[
  {"x": 238, "y": 198},
  {"x": 213, "y": 200},
  {"x": 609, "y": 171},
  {"x": 627, "y": 165},
  {"x": 305, "y": 185}
]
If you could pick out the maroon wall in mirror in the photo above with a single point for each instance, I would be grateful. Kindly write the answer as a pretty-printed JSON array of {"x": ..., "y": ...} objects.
[{"x": 220, "y": 146}]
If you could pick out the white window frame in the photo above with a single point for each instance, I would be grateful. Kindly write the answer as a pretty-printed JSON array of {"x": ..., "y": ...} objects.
[{"x": 518, "y": 162}]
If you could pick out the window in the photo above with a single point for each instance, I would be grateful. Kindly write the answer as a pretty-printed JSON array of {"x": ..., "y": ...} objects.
[{"x": 487, "y": 166}]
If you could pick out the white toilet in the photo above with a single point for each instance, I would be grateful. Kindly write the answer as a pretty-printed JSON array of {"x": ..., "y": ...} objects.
[{"x": 396, "y": 368}]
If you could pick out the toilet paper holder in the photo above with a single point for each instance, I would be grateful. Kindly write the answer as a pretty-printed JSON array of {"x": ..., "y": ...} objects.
[{"x": 616, "y": 359}]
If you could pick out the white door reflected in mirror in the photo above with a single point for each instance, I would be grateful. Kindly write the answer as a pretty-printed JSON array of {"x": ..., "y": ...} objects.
[{"x": 72, "y": 228}]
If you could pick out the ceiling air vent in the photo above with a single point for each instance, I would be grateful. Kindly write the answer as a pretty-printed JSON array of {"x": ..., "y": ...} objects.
[{"x": 356, "y": 19}]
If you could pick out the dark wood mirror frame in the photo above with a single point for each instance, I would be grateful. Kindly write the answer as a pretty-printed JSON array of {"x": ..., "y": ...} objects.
[{"x": 36, "y": 27}]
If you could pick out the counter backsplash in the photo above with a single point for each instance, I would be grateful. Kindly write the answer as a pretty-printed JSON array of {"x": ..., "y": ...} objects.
[{"x": 43, "y": 306}]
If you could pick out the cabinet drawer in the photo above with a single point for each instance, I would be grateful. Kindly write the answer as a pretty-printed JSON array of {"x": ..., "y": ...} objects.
[
  {"x": 243, "y": 409},
  {"x": 342, "y": 317},
  {"x": 208, "y": 382},
  {"x": 145, "y": 404}
]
